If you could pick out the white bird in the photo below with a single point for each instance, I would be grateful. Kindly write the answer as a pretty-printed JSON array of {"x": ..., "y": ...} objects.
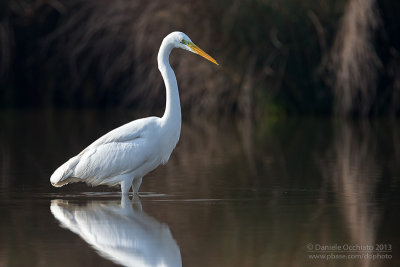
[
  {"x": 120, "y": 232},
  {"x": 124, "y": 155}
]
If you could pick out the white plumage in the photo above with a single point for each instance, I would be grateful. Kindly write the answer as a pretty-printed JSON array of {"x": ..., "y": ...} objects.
[
  {"x": 120, "y": 232},
  {"x": 124, "y": 155}
]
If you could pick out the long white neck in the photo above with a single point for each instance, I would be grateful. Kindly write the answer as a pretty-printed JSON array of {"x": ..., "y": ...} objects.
[{"x": 172, "y": 114}]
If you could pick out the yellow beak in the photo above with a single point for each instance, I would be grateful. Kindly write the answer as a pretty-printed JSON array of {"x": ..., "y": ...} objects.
[{"x": 200, "y": 52}]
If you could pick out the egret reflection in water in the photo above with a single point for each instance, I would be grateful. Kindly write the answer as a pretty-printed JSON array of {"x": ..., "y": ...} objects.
[{"x": 120, "y": 231}]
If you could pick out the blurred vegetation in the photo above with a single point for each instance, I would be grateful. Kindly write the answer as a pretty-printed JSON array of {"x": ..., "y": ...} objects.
[{"x": 283, "y": 57}]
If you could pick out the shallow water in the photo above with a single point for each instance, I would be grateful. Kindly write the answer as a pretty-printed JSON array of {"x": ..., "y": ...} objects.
[{"x": 276, "y": 193}]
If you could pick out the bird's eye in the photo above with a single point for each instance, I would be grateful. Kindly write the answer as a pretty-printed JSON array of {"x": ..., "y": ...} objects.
[{"x": 183, "y": 41}]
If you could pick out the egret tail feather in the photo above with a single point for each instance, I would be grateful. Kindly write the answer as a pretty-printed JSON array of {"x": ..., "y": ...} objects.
[{"x": 61, "y": 175}]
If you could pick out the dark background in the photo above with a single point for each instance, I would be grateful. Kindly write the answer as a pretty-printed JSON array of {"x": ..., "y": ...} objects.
[{"x": 276, "y": 57}]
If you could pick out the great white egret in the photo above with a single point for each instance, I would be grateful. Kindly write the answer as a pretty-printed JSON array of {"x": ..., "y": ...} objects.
[
  {"x": 124, "y": 155},
  {"x": 120, "y": 231}
]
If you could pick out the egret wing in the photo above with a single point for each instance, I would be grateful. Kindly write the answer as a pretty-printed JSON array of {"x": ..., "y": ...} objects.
[
  {"x": 112, "y": 146},
  {"x": 126, "y": 132},
  {"x": 99, "y": 164}
]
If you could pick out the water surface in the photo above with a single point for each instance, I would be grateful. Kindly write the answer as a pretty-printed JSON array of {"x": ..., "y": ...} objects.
[{"x": 272, "y": 193}]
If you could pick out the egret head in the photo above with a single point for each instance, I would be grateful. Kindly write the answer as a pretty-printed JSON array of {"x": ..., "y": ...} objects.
[{"x": 182, "y": 41}]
